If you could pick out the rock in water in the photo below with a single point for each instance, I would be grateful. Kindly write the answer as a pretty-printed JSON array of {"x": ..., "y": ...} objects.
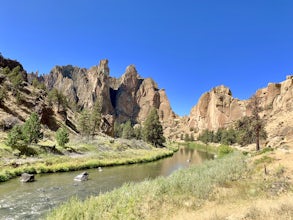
[
  {"x": 82, "y": 177},
  {"x": 26, "y": 177}
]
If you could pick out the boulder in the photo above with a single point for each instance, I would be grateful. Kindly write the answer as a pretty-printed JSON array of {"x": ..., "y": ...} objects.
[
  {"x": 26, "y": 177},
  {"x": 82, "y": 177}
]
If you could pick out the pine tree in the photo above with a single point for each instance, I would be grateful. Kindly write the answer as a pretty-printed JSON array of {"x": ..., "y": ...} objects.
[
  {"x": 62, "y": 136},
  {"x": 3, "y": 94},
  {"x": 257, "y": 122},
  {"x": 153, "y": 130},
  {"x": 191, "y": 137},
  {"x": 96, "y": 117},
  {"x": 31, "y": 129},
  {"x": 57, "y": 97},
  {"x": 84, "y": 123},
  {"x": 14, "y": 136},
  {"x": 16, "y": 77},
  {"x": 186, "y": 138},
  {"x": 118, "y": 128},
  {"x": 138, "y": 132},
  {"x": 127, "y": 132}
]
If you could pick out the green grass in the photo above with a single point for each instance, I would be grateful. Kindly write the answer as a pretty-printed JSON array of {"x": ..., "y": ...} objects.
[
  {"x": 52, "y": 164},
  {"x": 264, "y": 159},
  {"x": 154, "y": 199},
  {"x": 264, "y": 150},
  {"x": 202, "y": 147}
]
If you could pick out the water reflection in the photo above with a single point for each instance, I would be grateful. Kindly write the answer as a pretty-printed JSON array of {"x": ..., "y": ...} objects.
[{"x": 32, "y": 200}]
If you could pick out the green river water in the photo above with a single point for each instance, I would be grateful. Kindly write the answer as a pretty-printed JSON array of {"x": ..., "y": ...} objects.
[{"x": 33, "y": 200}]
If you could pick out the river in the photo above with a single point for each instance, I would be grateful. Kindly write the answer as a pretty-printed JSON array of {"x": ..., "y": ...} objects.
[{"x": 33, "y": 200}]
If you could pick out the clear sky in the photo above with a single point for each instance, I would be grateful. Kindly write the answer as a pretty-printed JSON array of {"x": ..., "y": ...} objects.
[{"x": 187, "y": 47}]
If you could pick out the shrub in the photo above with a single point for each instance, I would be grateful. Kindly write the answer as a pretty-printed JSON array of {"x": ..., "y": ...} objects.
[
  {"x": 62, "y": 136},
  {"x": 14, "y": 136},
  {"x": 224, "y": 149},
  {"x": 32, "y": 129}
]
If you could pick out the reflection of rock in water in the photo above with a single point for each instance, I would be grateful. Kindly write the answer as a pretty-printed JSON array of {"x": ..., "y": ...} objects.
[{"x": 183, "y": 158}]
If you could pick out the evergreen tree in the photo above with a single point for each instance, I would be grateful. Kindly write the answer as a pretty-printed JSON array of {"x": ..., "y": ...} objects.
[
  {"x": 58, "y": 98},
  {"x": 246, "y": 134},
  {"x": 229, "y": 137},
  {"x": 153, "y": 130},
  {"x": 16, "y": 77},
  {"x": 257, "y": 122},
  {"x": 138, "y": 132},
  {"x": 5, "y": 71},
  {"x": 118, "y": 128},
  {"x": 3, "y": 94},
  {"x": 62, "y": 136},
  {"x": 96, "y": 116},
  {"x": 84, "y": 123},
  {"x": 14, "y": 136},
  {"x": 191, "y": 137},
  {"x": 31, "y": 129},
  {"x": 186, "y": 138},
  {"x": 181, "y": 137},
  {"x": 206, "y": 136},
  {"x": 128, "y": 131}
]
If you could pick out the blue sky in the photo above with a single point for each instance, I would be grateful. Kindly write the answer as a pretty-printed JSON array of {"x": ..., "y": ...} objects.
[{"x": 187, "y": 47}]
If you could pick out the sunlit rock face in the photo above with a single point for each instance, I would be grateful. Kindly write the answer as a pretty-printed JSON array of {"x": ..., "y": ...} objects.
[
  {"x": 218, "y": 109},
  {"x": 129, "y": 97}
]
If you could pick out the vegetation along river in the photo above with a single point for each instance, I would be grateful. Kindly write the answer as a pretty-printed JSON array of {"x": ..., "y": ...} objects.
[{"x": 33, "y": 200}]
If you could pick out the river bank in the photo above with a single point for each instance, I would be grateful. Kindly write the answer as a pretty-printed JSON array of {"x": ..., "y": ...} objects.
[
  {"x": 51, "y": 190},
  {"x": 80, "y": 154},
  {"x": 236, "y": 186}
]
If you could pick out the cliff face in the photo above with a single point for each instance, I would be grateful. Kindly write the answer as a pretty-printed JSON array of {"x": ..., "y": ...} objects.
[
  {"x": 217, "y": 108},
  {"x": 277, "y": 101},
  {"x": 131, "y": 97},
  {"x": 128, "y": 98}
]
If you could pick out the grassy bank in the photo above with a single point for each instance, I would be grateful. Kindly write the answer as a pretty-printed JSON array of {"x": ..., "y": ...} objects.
[
  {"x": 202, "y": 147},
  {"x": 84, "y": 155},
  {"x": 159, "y": 198}
]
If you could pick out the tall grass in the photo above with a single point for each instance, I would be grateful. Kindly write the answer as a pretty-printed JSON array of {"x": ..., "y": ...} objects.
[
  {"x": 66, "y": 163},
  {"x": 153, "y": 199}
]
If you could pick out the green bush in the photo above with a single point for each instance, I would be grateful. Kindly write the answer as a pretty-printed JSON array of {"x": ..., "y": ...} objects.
[
  {"x": 62, "y": 136},
  {"x": 224, "y": 150}
]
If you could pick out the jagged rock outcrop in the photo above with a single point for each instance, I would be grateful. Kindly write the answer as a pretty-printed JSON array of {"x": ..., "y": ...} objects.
[
  {"x": 82, "y": 86},
  {"x": 128, "y": 98},
  {"x": 277, "y": 102},
  {"x": 216, "y": 109}
]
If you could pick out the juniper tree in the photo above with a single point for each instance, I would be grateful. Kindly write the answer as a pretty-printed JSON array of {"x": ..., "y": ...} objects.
[
  {"x": 257, "y": 122},
  {"x": 96, "y": 116},
  {"x": 62, "y": 136},
  {"x": 128, "y": 131},
  {"x": 153, "y": 130},
  {"x": 31, "y": 129}
]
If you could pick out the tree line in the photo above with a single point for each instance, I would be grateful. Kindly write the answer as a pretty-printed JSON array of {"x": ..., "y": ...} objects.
[
  {"x": 151, "y": 131},
  {"x": 247, "y": 130}
]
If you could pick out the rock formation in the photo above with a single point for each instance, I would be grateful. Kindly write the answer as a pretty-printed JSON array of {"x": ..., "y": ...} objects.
[
  {"x": 82, "y": 177},
  {"x": 131, "y": 97},
  {"x": 26, "y": 177},
  {"x": 218, "y": 109},
  {"x": 128, "y": 98}
]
